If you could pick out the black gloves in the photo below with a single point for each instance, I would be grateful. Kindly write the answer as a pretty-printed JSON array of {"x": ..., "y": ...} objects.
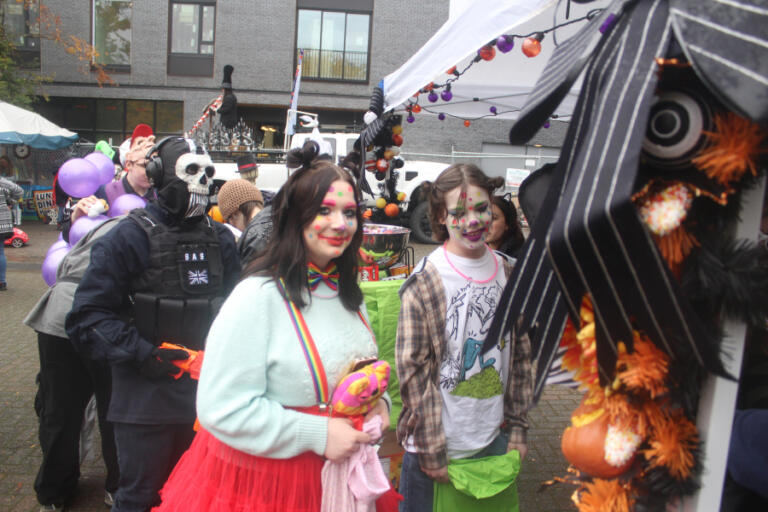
[{"x": 159, "y": 363}]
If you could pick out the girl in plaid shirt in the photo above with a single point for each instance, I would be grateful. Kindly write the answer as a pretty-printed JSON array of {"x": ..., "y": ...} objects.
[{"x": 457, "y": 402}]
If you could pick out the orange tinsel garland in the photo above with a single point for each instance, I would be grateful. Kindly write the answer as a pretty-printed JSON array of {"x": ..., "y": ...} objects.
[
  {"x": 672, "y": 444},
  {"x": 604, "y": 496},
  {"x": 645, "y": 369},
  {"x": 675, "y": 246},
  {"x": 735, "y": 144}
]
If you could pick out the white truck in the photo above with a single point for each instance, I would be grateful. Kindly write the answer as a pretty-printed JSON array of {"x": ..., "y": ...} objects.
[{"x": 412, "y": 175}]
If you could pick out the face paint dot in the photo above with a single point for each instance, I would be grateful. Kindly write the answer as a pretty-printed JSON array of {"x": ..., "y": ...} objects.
[
  {"x": 318, "y": 227},
  {"x": 341, "y": 194},
  {"x": 330, "y": 188},
  {"x": 309, "y": 235}
]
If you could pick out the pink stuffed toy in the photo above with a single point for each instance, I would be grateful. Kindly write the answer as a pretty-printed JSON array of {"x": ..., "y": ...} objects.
[{"x": 358, "y": 391}]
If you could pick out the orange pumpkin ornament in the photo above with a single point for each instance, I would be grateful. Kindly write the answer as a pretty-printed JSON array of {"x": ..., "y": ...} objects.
[
  {"x": 584, "y": 442},
  {"x": 391, "y": 210}
]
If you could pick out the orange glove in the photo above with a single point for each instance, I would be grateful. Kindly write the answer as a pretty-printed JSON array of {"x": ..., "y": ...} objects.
[{"x": 190, "y": 365}]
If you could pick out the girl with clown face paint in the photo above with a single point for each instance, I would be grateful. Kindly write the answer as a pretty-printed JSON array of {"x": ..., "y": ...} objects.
[
  {"x": 283, "y": 339},
  {"x": 457, "y": 402}
]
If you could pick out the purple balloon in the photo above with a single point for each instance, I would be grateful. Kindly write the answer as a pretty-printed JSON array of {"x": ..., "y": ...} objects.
[
  {"x": 125, "y": 203},
  {"x": 104, "y": 165},
  {"x": 51, "y": 265},
  {"x": 55, "y": 246},
  {"x": 82, "y": 226},
  {"x": 78, "y": 177}
]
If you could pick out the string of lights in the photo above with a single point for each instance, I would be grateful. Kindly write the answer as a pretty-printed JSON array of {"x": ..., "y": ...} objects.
[{"x": 531, "y": 47}]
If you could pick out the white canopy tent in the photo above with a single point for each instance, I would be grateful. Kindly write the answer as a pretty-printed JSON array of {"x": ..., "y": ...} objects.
[
  {"x": 503, "y": 82},
  {"x": 20, "y": 126}
]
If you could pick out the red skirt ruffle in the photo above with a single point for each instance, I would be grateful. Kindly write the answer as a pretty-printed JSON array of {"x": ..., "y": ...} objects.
[{"x": 212, "y": 476}]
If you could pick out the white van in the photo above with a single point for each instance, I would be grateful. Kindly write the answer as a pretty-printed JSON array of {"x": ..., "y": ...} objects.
[{"x": 412, "y": 175}]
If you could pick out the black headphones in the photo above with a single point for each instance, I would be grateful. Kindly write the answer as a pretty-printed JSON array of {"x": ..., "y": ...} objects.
[{"x": 154, "y": 167}]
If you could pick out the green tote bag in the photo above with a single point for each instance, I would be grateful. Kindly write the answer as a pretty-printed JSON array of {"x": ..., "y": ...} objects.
[{"x": 480, "y": 485}]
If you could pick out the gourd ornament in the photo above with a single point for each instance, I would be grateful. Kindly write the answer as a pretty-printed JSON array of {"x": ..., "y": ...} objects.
[{"x": 595, "y": 447}]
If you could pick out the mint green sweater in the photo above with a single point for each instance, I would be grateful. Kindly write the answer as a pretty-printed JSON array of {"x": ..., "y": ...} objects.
[{"x": 254, "y": 367}]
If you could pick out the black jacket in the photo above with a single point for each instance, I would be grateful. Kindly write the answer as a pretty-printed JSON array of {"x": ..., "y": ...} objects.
[
  {"x": 96, "y": 327},
  {"x": 228, "y": 111}
]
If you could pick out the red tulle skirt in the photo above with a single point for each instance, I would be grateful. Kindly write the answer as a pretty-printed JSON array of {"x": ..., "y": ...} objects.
[{"x": 212, "y": 476}]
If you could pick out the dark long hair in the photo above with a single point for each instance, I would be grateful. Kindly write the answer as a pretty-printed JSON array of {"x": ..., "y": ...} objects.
[
  {"x": 293, "y": 208},
  {"x": 457, "y": 175},
  {"x": 512, "y": 238}
]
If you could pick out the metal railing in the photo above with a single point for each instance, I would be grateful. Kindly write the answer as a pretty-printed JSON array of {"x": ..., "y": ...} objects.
[{"x": 334, "y": 65}]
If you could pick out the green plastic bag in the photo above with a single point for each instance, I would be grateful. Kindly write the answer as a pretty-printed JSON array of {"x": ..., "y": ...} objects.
[
  {"x": 487, "y": 484},
  {"x": 383, "y": 304}
]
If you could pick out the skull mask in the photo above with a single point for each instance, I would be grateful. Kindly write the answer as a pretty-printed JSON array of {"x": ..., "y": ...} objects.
[
  {"x": 196, "y": 170},
  {"x": 184, "y": 178}
]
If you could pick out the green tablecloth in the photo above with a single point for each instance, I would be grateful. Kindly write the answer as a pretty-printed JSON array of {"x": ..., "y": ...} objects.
[{"x": 383, "y": 305}]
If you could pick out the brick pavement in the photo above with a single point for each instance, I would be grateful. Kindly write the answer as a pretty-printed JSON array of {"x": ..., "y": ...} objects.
[{"x": 19, "y": 363}]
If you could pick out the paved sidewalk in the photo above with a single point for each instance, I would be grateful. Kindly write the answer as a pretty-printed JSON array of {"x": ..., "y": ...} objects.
[{"x": 20, "y": 450}]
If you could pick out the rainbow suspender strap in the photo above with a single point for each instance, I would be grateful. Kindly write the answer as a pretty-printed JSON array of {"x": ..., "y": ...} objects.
[{"x": 311, "y": 355}]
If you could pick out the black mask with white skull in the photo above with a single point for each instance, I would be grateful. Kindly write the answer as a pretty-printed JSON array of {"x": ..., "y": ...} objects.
[{"x": 186, "y": 180}]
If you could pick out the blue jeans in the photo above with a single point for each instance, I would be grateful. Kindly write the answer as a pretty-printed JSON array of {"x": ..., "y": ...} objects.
[
  {"x": 2, "y": 261},
  {"x": 416, "y": 486}
]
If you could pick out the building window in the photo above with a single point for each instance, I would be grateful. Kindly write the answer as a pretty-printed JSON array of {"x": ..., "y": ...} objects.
[
  {"x": 113, "y": 119},
  {"x": 335, "y": 44},
  {"x": 192, "y": 35},
  {"x": 112, "y": 33},
  {"x": 20, "y": 22}
]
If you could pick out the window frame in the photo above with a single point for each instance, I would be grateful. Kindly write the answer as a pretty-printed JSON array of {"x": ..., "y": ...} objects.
[
  {"x": 27, "y": 56},
  {"x": 192, "y": 64},
  {"x": 329, "y": 7},
  {"x": 120, "y": 68}
]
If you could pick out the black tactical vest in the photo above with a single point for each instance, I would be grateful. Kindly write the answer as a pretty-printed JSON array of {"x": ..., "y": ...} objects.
[{"x": 178, "y": 295}]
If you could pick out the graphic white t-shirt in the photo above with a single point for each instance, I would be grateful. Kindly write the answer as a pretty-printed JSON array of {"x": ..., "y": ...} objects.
[{"x": 472, "y": 385}]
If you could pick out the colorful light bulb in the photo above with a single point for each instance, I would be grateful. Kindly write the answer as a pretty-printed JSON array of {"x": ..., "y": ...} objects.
[{"x": 505, "y": 43}]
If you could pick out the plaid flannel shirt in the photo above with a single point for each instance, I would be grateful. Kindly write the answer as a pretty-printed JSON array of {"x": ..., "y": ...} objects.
[{"x": 418, "y": 356}]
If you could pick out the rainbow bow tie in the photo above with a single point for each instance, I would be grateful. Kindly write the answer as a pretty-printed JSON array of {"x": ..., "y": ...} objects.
[{"x": 330, "y": 275}]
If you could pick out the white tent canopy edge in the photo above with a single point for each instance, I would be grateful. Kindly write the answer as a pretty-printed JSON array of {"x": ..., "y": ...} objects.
[{"x": 503, "y": 82}]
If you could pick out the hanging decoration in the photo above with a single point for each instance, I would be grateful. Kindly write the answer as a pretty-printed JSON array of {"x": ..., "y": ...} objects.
[
  {"x": 531, "y": 47},
  {"x": 642, "y": 328},
  {"x": 380, "y": 143}
]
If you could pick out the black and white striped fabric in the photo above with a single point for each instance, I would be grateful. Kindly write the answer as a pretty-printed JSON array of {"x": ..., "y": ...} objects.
[
  {"x": 563, "y": 68},
  {"x": 727, "y": 42},
  {"x": 588, "y": 237}
]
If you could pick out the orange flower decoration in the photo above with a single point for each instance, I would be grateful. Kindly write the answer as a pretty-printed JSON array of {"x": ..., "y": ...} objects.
[{"x": 581, "y": 349}]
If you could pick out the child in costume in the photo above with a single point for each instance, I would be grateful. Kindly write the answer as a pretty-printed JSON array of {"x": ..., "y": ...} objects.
[
  {"x": 285, "y": 336},
  {"x": 504, "y": 233},
  {"x": 457, "y": 403}
]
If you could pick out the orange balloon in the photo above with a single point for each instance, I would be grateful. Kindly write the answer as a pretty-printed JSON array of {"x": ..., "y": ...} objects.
[
  {"x": 416, "y": 108},
  {"x": 391, "y": 210},
  {"x": 215, "y": 214},
  {"x": 467, "y": 123},
  {"x": 367, "y": 213}
]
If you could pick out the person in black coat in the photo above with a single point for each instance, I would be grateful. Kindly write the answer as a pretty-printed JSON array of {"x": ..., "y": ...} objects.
[
  {"x": 228, "y": 109},
  {"x": 158, "y": 276}
]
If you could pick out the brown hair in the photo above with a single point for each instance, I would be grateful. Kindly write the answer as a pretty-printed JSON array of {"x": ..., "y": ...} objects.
[
  {"x": 294, "y": 206},
  {"x": 512, "y": 239},
  {"x": 457, "y": 175}
]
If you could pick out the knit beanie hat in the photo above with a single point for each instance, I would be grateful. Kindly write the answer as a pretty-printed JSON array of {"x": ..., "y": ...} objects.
[{"x": 234, "y": 193}]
